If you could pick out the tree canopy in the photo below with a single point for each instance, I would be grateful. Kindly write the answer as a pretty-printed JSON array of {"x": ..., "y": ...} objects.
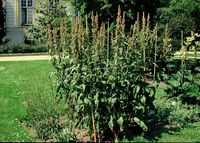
[
  {"x": 180, "y": 15},
  {"x": 107, "y": 9}
]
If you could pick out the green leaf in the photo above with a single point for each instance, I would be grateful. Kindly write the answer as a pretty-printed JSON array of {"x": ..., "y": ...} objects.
[
  {"x": 113, "y": 85},
  {"x": 111, "y": 77},
  {"x": 140, "y": 123},
  {"x": 137, "y": 89},
  {"x": 197, "y": 69},
  {"x": 96, "y": 100},
  {"x": 143, "y": 99},
  {"x": 112, "y": 100},
  {"x": 120, "y": 121},
  {"x": 86, "y": 101},
  {"x": 110, "y": 123},
  {"x": 97, "y": 126},
  {"x": 106, "y": 6},
  {"x": 83, "y": 87},
  {"x": 112, "y": 27}
]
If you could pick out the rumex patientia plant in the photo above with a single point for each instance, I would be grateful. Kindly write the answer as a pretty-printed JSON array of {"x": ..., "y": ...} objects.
[{"x": 102, "y": 75}]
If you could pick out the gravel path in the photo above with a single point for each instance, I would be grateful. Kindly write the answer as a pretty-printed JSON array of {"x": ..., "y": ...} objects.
[{"x": 25, "y": 58}]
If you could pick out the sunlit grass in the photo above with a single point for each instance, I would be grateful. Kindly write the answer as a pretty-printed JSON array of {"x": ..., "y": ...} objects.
[{"x": 19, "y": 81}]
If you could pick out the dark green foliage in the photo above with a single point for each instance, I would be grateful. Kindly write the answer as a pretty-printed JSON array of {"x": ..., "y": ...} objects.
[
  {"x": 2, "y": 21},
  {"x": 180, "y": 15},
  {"x": 107, "y": 9},
  {"x": 21, "y": 48},
  {"x": 182, "y": 85},
  {"x": 174, "y": 113}
]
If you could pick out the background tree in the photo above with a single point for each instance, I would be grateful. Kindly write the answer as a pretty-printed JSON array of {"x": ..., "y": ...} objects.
[
  {"x": 107, "y": 9},
  {"x": 50, "y": 14},
  {"x": 2, "y": 21},
  {"x": 180, "y": 15}
]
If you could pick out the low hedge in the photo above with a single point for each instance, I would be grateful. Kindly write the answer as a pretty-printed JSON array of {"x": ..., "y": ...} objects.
[{"x": 22, "y": 48}]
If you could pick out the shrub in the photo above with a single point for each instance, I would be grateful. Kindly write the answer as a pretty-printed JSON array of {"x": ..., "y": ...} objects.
[
  {"x": 107, "y": 10},
  {"x": 182, "y": 15},
  {"x": 5, "y": 40},
  {"x": 49, "y": 13},
  {"x": 21, "y": 48},
  {"x": 102, "y": 75},
  {"x": 173, "y": 112},
  {"x": 182, "y": 83}
]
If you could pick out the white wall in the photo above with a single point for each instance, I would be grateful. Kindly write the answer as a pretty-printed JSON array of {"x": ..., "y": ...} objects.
[
  {"x": 14, "y": 31},
  {"x": 10, "y": 13},
  {"x": 16, "y": 34}
]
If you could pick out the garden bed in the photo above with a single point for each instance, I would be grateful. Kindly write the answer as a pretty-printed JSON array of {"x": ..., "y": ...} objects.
[{"x": 21, "y": 84}]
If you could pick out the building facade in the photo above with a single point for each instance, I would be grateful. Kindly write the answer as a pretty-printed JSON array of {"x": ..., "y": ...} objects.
[{"x": 20, "y": 14}]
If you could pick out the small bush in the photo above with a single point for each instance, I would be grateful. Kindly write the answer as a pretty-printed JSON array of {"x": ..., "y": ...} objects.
[
  {"x": 22, "y": 48},
  {"x": 174, "y": 112},
  {"x": 183, "y": 86}
]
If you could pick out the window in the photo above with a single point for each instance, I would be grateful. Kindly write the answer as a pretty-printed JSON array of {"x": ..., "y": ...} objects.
[{"x": 27, "y": 12}]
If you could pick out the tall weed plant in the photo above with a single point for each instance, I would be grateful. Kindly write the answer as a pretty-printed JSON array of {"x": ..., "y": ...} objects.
[{"x": 102, "y": 75}]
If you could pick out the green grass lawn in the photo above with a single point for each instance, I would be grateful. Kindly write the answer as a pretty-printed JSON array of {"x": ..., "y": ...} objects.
[
  {"x": 20, "y": 81},
  {"x": 190, "y": 55},
  {"x": 191, "y": 133}
]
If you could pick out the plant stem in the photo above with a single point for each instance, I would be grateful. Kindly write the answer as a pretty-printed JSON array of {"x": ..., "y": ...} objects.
[
  {"x": 155, "y": 53},
  {"x": 108, "y": 40},
  {"x": 93, "y": 125},
  {"x": 183, "y": 58}
]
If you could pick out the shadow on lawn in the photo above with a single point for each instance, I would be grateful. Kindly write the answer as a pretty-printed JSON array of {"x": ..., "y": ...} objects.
[
  {"x": 158, "y": 130},
  {"x": 154, "y": 134}
]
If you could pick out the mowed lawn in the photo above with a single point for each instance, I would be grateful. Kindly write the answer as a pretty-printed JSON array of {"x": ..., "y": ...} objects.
[{"x": 19, "y": 81}]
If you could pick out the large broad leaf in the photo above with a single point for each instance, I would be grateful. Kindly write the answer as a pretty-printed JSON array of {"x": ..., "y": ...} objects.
[
  {"x": 87, "y": 101},
  {"x": 192, "y": 90},
  {"x": 120, "y": 121},
  {"x": 143, "y": 99},
  {"x": 112, "y": 100},
  {"x": 188, "y": 75},
  {"x": 174, "y": 83},
  {"x": 110, "y": 123},
  {"x": 136, "y": 89},
  {"x": 197, "y": 69},
  {"x": 140, "y": 123},
  {"x": 96, "y": 100},
  {"x": 106, "y": 6}
]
